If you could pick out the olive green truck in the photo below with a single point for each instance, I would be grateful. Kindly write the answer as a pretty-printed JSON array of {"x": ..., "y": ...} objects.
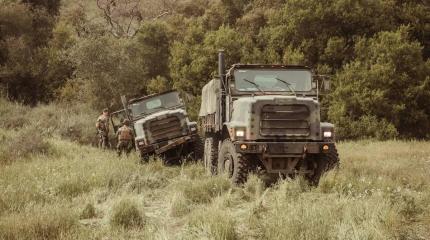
[{"x": 267, "y": 118}]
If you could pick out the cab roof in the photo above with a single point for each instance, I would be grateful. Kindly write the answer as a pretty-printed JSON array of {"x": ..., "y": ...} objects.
[
  {"x": 268, "y": 66},
  {"x": 133, "y": 100}
]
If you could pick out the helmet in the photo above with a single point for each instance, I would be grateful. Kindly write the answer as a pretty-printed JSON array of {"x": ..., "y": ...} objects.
[
  {"x": 105, "y": 110},
  {"x": 126, "y": 122}
]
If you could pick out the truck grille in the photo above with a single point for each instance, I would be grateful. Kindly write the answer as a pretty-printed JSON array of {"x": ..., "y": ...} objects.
[
  {"x": 285, "y": 120},
  {"x": 165, "y": 129}
]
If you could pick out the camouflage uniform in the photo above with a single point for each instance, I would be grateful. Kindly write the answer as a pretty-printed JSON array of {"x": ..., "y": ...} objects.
[
  {"x": 102, "y": 126},
  {"x": 125, "y": 138}
]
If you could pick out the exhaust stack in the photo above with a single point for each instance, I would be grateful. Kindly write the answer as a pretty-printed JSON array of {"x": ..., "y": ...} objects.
[{"x": 221, "y": 64}]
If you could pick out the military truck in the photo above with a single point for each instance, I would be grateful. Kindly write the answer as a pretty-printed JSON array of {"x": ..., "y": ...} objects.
[
  {"x": 161, "y": 127},
  {"x": 266, "y": 118}
]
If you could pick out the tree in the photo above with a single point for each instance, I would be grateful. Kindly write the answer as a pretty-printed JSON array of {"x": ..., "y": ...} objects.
[
  {"x": 194, "y": 60},
  {"x": 25, "y": 32},
  {"x": 125, "y": 17},
  {"x": 385, "y": 90}
]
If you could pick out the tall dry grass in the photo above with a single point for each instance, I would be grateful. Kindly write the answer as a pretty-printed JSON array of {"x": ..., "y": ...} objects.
[
  {"x": 72, "y": 122},
  {"x": 54, "y": 188},
  {"x": 379, "y": 192}
]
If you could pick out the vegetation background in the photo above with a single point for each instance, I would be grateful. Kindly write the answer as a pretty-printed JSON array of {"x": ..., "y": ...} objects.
[{"x": 91, "y": 52}]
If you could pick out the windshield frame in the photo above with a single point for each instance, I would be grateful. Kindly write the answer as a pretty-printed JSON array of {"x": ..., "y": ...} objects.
[{"x": 235, "y": 91}]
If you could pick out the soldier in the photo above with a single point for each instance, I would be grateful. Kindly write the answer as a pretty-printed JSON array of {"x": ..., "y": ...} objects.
[
  {"x": 125, "y": 138},
  {"x": 102, "y": 127}
]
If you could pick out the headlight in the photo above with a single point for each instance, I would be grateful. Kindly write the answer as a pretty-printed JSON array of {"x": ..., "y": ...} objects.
[
  {"x": 327, "y": 134},
  {"x": 141, "y": 143},
  {"x": 240, "y": 133},
  {"x": 193, "y": 129}
]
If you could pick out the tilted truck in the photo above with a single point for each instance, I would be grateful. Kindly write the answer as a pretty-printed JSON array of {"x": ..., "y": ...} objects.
[
  {"x": 161, "y": 127},
  {"x": 265, "y": 117}
]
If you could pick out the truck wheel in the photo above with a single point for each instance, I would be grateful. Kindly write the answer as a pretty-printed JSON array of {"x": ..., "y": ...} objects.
[
  {"x": 198, "y": 149},
  {"x": 332, "y": 158},
  {"x": 323, "y": 163},
  {"x": 210, "y": 156},
  {"x": 234, "y": 164},
  {"x": 144, "y": 158}
]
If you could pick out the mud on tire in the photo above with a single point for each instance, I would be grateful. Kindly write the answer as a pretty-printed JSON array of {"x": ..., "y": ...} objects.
[
  {"x": 236, "y": 165},
  {"x": 198, "y": 149},
  {"x": 210, "y": 156}
]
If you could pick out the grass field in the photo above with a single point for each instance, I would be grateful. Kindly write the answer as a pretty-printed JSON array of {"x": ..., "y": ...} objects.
[{"x": 69, "y": 191}]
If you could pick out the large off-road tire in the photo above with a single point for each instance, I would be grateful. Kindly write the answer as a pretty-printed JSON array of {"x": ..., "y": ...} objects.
[
  {"x": 232, "y": 163},
  {"x": 332, "y": 158},
  {"x": 210, "y": 156},
  {"x": 322, "y": 163},
  {"x": 198, "y": 149},
  {"x": 144, "y": 157}
]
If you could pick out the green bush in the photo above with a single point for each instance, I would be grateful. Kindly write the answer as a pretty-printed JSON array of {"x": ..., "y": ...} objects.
[
  {"x": 385, "y": 91},
  {"x": 126, "y": 214}
]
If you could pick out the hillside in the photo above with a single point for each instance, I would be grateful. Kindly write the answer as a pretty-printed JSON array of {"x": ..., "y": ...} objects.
[{"x": 69, "y": 191}]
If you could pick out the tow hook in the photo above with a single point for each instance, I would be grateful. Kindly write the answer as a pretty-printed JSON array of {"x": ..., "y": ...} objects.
[
  {"x": 264, "y": 152},
  {"x": 305, "y": 151}
]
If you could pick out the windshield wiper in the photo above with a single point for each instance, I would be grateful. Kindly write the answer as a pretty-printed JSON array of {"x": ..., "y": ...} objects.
[
  {"x": 288, "y": 85},
  {"x": 256, "y": 85}
]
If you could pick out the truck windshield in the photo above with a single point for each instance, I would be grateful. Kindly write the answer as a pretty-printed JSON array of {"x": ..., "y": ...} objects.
[
  {"x": 155, "y": 104},
  {"x": 273, "y": 80}
]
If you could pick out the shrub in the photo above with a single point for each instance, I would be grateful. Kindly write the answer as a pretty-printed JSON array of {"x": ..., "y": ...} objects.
[
  {"x": 88, "y": 212},
  {"x": 385, "y": 90},
  {"x": 13, "y": 115},
  {"x": 22, "y": 144},
  {"x": 203, "y": 191},
  {"x": 253, "y": 188},
  {"x": 73, "y": 188},
  {"x": 211, "y": 223},
  {"x": 179, "y": 205},
  {"x": 3, "y": 206},
  {"x": 126, "y": 214},
  {"x": 43, "y": 224},
  {"x": 75, "y": 123}
]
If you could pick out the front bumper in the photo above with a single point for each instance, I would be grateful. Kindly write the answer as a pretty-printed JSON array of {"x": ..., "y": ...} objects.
[
  {"x": 279, "y": 149},
  {"x": 161, "y": 147}
]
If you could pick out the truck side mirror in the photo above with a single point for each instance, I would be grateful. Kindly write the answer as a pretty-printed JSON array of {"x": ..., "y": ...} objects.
[
  {"x": 314, "y": 84},
  {"x": 326, "y": 84}
]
